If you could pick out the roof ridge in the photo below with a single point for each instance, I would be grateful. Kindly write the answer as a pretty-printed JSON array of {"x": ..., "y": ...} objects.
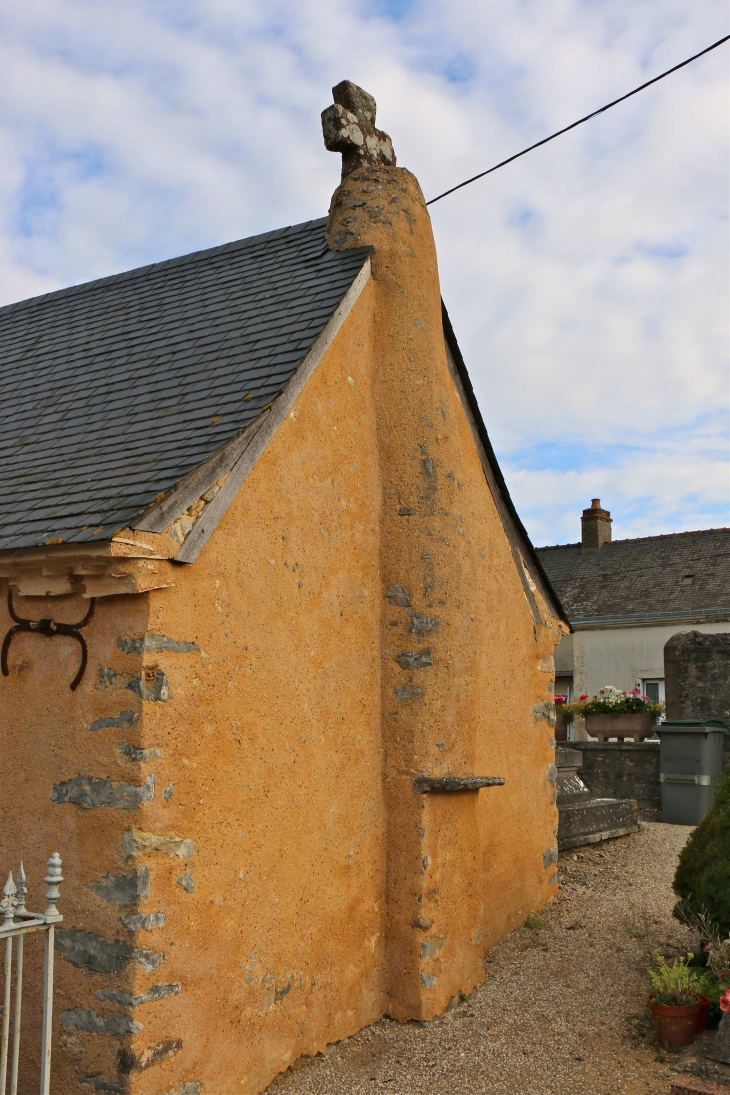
[
  {"x": 669, "y": 535},
  {"x": 641, "y": 539},
  {"x": 192, "y": 256}
]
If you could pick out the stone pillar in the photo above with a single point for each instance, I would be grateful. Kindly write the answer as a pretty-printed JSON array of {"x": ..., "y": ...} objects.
[{"x": 697, "y": 676}]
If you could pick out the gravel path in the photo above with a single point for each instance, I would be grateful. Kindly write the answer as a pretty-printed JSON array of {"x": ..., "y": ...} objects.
[{"x": 550, "y": 1018}]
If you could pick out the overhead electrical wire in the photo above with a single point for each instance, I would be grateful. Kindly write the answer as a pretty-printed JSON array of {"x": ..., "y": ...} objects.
[{"x": 579, "y": 122}]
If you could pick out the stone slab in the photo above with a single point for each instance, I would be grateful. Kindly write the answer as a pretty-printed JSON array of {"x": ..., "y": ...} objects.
[
  {"x": 588, "y": 822},
  {"x": 596, "y": 838},
  {"x": 720, "y": 1049},
  {"x": 694, "y": 1085}
]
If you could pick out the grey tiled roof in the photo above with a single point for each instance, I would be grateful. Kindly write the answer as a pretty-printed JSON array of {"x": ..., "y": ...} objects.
[
  {"x": 643, "y": 577},
  {"x": 558, "y": 562},
  {"x": 112, "y": 391}
]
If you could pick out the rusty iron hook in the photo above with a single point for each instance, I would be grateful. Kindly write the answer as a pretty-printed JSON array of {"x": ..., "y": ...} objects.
[{"x": 49, "y": 628}]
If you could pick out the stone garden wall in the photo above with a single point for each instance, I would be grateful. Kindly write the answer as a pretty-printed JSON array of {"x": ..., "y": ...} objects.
[{"x": 615, "y": 769}]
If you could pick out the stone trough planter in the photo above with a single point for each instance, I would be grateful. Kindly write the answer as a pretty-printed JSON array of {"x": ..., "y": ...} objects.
[{"x": 637, "y": 726}]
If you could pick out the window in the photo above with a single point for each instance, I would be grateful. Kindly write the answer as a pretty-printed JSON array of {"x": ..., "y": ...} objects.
[
  {"x": 651, "y": 689},
  {"x": 687, "y": 580},
  {"x": 654, "y": 689}
]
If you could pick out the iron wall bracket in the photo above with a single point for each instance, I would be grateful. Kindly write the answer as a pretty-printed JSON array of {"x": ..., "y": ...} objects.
[{"x": 49, "y": 628}]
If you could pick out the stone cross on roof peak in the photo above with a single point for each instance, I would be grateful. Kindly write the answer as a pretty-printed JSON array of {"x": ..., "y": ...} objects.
[{"x": 349, "y": 127}]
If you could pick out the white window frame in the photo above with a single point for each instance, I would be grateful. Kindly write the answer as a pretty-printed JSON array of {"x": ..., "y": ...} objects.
[{"x": 653, "y": 679}]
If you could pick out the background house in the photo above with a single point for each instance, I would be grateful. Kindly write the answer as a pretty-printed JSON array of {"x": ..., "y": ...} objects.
[{"x": 626, "y": 598}]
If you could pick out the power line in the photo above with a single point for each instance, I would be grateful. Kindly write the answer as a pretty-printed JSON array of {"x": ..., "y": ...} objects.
[{"x": 579, "y": 122}]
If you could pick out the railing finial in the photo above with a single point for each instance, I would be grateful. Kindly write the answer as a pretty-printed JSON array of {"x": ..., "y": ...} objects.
[
  {"x": 9, "y": 900},
  {"x": 54, "y": 878},
  {"x": 22, "y": 891}
]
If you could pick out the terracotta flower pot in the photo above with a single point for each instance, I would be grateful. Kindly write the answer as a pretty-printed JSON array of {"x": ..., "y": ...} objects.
[
  {"x": 702, "y": 1013},
  {"x": 638, "y": 726},
  {"x": 675, "y": 1025}
]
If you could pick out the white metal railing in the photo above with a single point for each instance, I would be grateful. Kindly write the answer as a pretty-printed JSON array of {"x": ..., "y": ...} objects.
[{"x": 17, "y": 922}]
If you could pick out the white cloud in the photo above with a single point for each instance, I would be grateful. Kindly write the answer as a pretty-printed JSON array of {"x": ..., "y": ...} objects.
[
  {"x": 587, "y": 282},
  {"x": 695, "y": 472}
]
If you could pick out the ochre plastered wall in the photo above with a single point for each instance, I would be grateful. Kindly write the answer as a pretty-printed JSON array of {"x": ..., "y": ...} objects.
[
  {"x": 483, "y": 706},
  {"x": 509, "y": 688},
  {"x": 45, "y": 742},
  {"x": 299, "y": 885},
  {"x": 273, "y": 748},
  {"x": 262, "y": 731}
]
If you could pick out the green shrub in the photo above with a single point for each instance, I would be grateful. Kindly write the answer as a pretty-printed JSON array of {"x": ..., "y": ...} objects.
[
  {"x": 710, "y": 987},
  {"x": 703, "y": 874}
]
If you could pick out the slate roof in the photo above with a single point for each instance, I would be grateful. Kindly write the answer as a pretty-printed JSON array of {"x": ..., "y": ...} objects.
[
  {"x": 643, "y": 577},
  {"x": 112, "y": 391},
  {"x": 558, "y": 563}
]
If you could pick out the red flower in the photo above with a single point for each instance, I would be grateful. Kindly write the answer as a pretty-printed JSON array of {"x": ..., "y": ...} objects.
[
  {"x": 583, "y": 698},
  {"x": 725, "y": 1001}
]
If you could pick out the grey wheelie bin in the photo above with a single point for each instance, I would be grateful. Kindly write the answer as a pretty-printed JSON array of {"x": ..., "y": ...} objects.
[{"x": 690, "y": 763}]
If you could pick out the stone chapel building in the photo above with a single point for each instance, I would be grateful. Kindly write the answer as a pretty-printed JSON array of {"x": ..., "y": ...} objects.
[{"x": 277, "y": 665}]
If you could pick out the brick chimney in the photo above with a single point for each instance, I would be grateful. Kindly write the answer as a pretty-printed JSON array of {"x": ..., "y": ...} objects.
[{"x": 595, "y": 527}]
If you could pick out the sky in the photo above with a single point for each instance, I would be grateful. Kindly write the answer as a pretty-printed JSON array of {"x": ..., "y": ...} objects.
[{"x": 587, "y": 282}]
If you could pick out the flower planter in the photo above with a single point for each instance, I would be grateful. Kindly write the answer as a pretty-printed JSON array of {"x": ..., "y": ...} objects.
[
  {"x": 702, "y": 1013},
  {"x": 638, "y": 726},
  {"x": 675, "y": 1025}
]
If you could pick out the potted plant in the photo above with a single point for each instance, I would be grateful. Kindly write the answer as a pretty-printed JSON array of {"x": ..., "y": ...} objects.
[
  {"x": 712, "y": 958},
  {"x": 701, "y": 1023},
  {"x": 674, "y": 1001},
  {"x": 564, "y": 716},
  {"x": 616, "y": 714}
]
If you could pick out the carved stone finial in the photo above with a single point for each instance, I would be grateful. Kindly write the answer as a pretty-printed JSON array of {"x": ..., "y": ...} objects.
[{"x": 349, "y": 127}]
